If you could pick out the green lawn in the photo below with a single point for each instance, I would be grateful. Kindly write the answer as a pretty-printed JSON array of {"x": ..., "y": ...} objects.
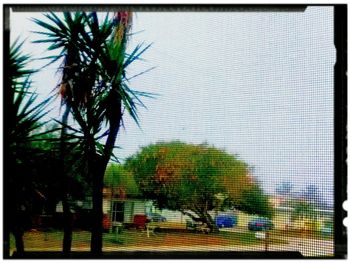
[
  {"x": 132, "y": 239},
  {"x": 52, "y": 240},
  {"x": 248, "y": 238}
]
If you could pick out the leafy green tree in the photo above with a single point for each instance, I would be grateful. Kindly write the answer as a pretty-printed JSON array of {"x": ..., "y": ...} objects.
[
  {"x": 65, "y": 36},
  {"x": 23, "y": 119},
  {"x": 188, "y": 177},
  {"x": 120, "y": 181},
  {"x": 94, "y": 89},
  {"x": 254, "y": 201}
]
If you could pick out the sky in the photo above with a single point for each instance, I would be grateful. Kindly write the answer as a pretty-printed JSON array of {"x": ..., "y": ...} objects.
[{"x": 257, "y": 84}]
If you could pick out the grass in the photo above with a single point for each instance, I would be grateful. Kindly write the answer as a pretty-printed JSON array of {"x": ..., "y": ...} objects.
[
  {"x": 299, "y": 233},
  {"x": 52, "y": 240},
  {"x": 248, "y": 238},
  {"x": 135, "y": 238}
]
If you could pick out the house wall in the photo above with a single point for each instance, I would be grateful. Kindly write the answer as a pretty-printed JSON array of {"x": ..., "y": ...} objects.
[
  {"x": 131, "y": 207},
  {"x": 175, "y": 216},
  {"x": 106, "y": 206},
  {"x": 139, "y": 207},
  {"x": 171, "y": 216},
  {"x": 134, "y": 206},
  {"x": 128, "y": 211}
]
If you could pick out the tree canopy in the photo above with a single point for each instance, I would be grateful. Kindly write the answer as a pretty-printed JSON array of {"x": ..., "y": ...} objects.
[
  {"x": 188, "y": 177},
  {"x": 121, "y": 181},
  {"x": 254, "y": 201}
]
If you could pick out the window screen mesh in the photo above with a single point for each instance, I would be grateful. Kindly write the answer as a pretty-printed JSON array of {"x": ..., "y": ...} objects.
[{"x": 233, "y": 151}]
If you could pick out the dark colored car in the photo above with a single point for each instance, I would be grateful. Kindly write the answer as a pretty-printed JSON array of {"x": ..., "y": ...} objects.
[
  {"x": 155, "y": 217},
  {"x": 226, "y": 220},
  {"x": 260, "y": 224}
]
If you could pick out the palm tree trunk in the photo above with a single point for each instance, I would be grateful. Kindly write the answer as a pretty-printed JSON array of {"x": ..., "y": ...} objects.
[
  {"x": 99, "y": 171},
  {"x": 97, "y": 210},
  {"x": 67, "y": 227},
  {"x": 67, "y": 215},
  {"x": 17, "y": 217}
]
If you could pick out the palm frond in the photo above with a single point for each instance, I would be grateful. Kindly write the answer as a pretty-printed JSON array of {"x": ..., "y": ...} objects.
[
  {"x": 17, "y": 62},
  {"x": 27, "y": 112},
  {"x": 69, "y": 127},
  {"x": 139, "y": 74},
  {"x": 100, "y": 93},
  {"x": 136, "y": 54},
  {"x": 55, "y": 30}
]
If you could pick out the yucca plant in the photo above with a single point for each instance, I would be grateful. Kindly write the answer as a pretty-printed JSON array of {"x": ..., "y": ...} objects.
[
  {"x": 94, "y": 89},
  {"x": 24, "y": 114},
  {"x": 65, "y": 35}
]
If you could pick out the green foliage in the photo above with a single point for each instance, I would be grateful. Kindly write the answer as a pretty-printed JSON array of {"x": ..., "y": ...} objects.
[
  {"x": 24, "y": 117},
  {"x": 255, "y": 201},
  {"x": 183, "y": 177},
  {"x": 121, "y": 181},
  {"x": 25, "y": 111},
  {"x": 18, "y": 73},
  {"x": 28, "y": 137},
  {"x": 25, "y": 127},
  {"x": 93, "y": 73}
]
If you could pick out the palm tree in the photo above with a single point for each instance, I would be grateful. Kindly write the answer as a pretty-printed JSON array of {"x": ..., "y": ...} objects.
[
  {"x": 24, "y": 119},
  {"x": 66, "y": 37},
  {"x": 95, "y": 89}
]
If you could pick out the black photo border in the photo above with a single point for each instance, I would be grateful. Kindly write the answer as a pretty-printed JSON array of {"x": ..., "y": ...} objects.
[{"x": 340, "y": 124}]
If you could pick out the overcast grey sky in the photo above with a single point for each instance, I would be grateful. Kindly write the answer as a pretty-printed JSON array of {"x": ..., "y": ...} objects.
[{"x": 257, "y": 84}]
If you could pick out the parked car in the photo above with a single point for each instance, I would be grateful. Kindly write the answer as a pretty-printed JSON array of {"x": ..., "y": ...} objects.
[
  {"x": 260, "y": 224},
  {"x": 225, "y": 220},
  {"x": 155, "y": 217}
]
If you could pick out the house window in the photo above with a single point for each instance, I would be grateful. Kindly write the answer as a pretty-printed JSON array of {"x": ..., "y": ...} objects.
[{"x": 118, "y": 212}]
